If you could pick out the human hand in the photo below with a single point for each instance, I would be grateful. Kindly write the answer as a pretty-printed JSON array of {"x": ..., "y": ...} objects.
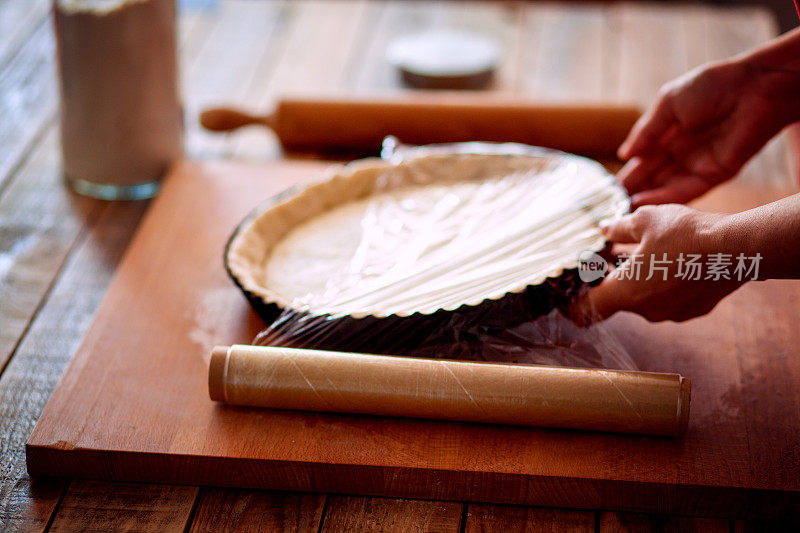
[
  {"x": 667, "y": 236},
  {"x": 703, "y": 127}
]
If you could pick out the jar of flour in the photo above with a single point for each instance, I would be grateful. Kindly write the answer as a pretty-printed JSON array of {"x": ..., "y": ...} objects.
[{"x": 121, "y": 116}]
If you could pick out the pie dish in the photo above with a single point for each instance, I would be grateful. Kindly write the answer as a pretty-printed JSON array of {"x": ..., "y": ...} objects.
[{"x": 437, "y": 241}]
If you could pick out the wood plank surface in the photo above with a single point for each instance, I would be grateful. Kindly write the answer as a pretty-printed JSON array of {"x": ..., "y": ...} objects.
[
  {"x": 246, "y": 510},
  {"x": 26, "y": 504},
  {"x": 759, "y": 526},
  {"x": 18, "y": 21},
  {"x": 389, "y": 20},
  {"x": 96, "y": 506},
  {"x": 565, "y": 54},
  {"x": 27, "y": 94},
  {"x": 173, "y": 433},
  {"x": 483, "y": 518},
  {"x": 356, "y": 513},
  {"x": 43, "y": 225},
  {"x": 652, "y": 49},
  {"x": 641, "y": 523},
  {"x": 290, "y": 67},
  {"x": 43, "y": 354},
  {"x": 221, "y": 60},
  {"x": 39, "y": 223},
  {"x": 27, "y": 99}
]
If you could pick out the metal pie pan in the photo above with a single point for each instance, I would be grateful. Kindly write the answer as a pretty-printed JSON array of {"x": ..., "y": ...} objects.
[{"x": 406, "y": 334}]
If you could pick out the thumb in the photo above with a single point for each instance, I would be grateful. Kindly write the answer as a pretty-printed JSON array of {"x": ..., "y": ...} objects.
[
  {"x": 620, "y": 230},
  {"x": 602, "y": 301}
]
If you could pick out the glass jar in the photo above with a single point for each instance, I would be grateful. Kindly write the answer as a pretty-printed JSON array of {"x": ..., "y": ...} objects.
[{"x": 121, "y": 116}]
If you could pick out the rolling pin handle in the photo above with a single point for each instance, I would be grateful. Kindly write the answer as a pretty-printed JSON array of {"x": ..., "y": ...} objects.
[{"x": 222, "y": 119}]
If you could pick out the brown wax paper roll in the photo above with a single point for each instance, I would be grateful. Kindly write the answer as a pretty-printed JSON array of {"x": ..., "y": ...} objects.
[{"x": 315, "y": 380}]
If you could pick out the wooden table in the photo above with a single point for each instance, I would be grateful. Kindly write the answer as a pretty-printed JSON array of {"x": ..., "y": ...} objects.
[{"x": 59, "y": 251}]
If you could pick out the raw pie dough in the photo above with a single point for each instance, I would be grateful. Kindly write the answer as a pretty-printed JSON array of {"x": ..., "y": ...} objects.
[{"x": 435, "y": 232}]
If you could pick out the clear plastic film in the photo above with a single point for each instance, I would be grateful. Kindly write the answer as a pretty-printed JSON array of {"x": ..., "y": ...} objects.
[{"x": 467, "y": 251}]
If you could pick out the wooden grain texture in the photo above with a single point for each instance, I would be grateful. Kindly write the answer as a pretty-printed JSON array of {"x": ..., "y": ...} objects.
[
  {"x": 313, "y": 53},
  {"x": 652, "y": 49},
  {"x": 95, "y": 506},
  {"x": 245, "y": 510},
  {"x": 196, "y": 28},
  {"x": 116, "y": 228},
  {"x": 220, "y": 61},
  {"x": 355, "y": 513},
  {"x": 640, "y": 523},
  {"x": 43, "y": 354},
  {"x": 39, "y": 222},
  {"x": 53, "y": 245},
  {"x": 756, "y": 526},
  {"x": 26, "y": 504},
  {"x": 156, "y": 403},
  {"x": 292, "y": 29},
  {"x": 28, "y": 497},
  {"x": 501, "y": 21},
  {"x": 500, "y": 518},
  {"x": 28, "y": 99},
  {"x": 39, "y": 218},
  {"x": 565, "y": 54},
  {"x": 368, "y": 72},
  {"x": 389, "y": 20},
  {"x": 18, "y": 21}
]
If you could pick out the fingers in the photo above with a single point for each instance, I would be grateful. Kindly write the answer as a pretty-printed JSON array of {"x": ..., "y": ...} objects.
[
  {"x": 648, "y": 130},
  {"x": 614, "y": 294},
  {"x": 623, "y": 230},
  {"x": 659, "y": 180},
  {"x": 678, "y": 190},
  {"x": 637, "y": 174},
  {"x": 606, "y": 299},
  {"x": 718, "y": 150},
  {"x": 601, "y": 301}
]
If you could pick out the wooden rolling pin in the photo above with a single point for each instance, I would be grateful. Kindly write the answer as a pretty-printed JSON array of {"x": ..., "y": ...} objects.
[
  {"x": 361, "y": 125},
  {"x": 314, "y": 380}
]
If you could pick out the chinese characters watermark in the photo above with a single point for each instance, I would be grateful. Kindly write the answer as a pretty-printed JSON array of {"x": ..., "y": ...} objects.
[{"x": 690, "y": 267}]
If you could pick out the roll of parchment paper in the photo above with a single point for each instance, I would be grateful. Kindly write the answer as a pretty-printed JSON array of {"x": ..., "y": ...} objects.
[{"x": 314, "y": 380}]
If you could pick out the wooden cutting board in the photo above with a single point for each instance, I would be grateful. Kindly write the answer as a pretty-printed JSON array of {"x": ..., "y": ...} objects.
[{"x": 133, "y": 404}]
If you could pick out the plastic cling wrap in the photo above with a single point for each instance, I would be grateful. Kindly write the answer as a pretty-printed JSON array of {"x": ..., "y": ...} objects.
[{"x": 467, "y": 251}]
